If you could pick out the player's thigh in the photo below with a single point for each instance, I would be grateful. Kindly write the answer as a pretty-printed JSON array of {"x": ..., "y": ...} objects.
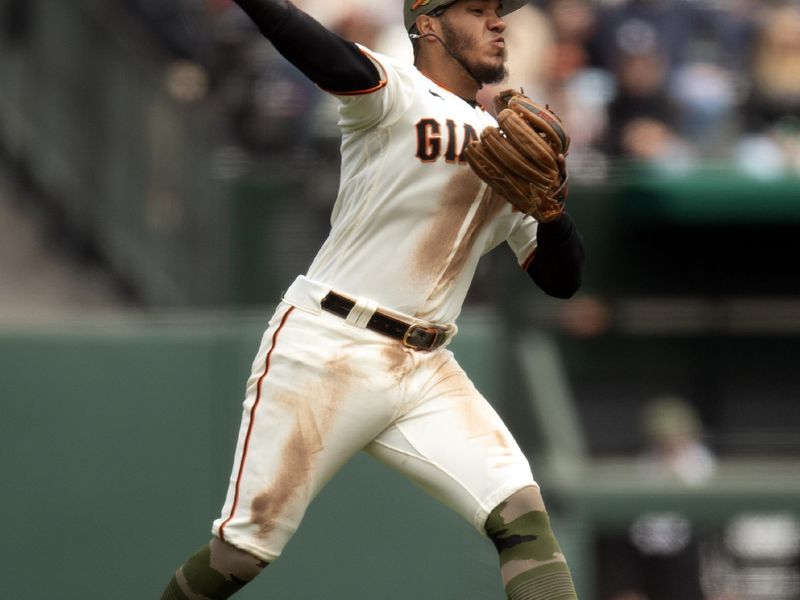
[
  {"x": 455, "y": 445},
  {"x": 311, "y": 404}
]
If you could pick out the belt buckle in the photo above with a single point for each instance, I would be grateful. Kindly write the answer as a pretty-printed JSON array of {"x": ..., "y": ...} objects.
[{"x": 415, "y": 327}]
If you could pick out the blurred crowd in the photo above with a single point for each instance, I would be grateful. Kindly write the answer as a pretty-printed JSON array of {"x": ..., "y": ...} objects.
[
  {"x": 665, "y": 555},
  {"x": 668, "y": 83}
]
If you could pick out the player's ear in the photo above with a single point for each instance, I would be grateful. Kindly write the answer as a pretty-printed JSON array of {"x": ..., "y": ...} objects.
[{"x": 425, "y": 25}]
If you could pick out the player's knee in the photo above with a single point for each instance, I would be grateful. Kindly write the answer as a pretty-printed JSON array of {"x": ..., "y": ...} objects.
[
  {"x": 519, "y": 526},
  {"x": 524, "y": 501},
  {"x": 216, "y": 571}
]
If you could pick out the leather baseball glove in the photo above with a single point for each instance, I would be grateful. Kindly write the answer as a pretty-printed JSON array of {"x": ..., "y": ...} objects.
[{"x": 524, "y": 159}]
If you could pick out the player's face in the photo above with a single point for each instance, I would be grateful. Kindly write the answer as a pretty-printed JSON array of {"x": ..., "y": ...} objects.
[{"x": 473, "y": 31}]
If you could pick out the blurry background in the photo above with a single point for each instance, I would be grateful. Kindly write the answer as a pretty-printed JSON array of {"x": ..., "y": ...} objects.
[{"x": 164, "y": 174}]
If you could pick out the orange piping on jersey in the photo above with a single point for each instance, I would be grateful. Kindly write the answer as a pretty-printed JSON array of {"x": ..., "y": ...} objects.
[
  {"x": 529, "y": 260},
  {"x": 357, "y": 92},
  {"x": 374, "y": 88},
  {"x": 252, "y": 421}
]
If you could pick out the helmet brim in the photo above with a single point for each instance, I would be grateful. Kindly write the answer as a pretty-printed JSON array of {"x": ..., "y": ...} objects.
[{"x": 509, "y": 6}]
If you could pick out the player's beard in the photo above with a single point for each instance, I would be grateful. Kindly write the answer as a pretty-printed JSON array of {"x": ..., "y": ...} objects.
[{"x": 459, "y": 43}]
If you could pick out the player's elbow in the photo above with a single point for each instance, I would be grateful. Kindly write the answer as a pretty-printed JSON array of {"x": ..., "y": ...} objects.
[
  {"x": 565, "y": 288},
  {"x": 562, "y": 275}
]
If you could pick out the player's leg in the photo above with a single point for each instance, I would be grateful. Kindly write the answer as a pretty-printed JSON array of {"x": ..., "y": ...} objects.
[
  {"x": 217, "y": 571},
  {"x": 454, "y": 445},
  {"x": 314, "y": 399},
  {"x": 531, "y": 562}
]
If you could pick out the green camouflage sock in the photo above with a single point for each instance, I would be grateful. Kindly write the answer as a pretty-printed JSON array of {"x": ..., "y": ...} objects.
[
  {"x": 173, "y": 591},
  {"x": 215, "y": 572},
  {"x": 531, "y": 561}
]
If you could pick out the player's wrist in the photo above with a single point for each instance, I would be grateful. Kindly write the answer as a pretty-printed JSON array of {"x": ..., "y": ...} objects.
[{"x": 557, "y": 231}]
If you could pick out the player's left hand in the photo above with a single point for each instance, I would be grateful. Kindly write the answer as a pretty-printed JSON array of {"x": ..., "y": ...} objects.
[{"x": 524, "y": 159}]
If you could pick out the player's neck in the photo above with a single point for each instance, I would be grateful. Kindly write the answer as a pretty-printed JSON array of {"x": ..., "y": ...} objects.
[{"x": 448, "y": 75}]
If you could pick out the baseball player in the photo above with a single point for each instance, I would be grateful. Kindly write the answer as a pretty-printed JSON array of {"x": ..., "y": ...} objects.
[{"x": 355, "y": 354}]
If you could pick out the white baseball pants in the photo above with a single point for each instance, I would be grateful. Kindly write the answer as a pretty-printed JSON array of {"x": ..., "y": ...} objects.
[{"x": 321, "y": 389}]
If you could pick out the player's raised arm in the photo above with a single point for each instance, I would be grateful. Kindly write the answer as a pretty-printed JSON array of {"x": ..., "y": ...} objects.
[{"x": 333, "y": 63}]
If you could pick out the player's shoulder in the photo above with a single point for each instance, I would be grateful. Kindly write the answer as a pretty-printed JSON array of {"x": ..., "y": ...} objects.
[{"x": 392, "y": 64}]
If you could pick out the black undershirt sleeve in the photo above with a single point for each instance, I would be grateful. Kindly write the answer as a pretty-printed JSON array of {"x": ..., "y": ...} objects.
[
  {"x": 557, "y": 266},
  {"x": 333, "y": 63}
]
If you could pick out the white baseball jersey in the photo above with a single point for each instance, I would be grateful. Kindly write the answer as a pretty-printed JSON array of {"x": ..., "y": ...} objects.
[{"x": 411, "y": 219}]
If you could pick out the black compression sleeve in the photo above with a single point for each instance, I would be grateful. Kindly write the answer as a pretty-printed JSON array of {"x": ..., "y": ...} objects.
[
  {"x": 334, "y": 64},
  {"x": 557, "y": 266}
]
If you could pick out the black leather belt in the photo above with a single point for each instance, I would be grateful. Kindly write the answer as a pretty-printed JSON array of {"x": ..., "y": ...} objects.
[{"x": 412, "y": 335}]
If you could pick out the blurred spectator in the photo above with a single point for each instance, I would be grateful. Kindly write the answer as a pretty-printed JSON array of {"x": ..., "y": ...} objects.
[
  {"x": 707, "y": 96},
  {"x": 770, "y": 146},
  {"x": 635, "y": 26},
  {"x": 548, "y": 58},
  {"x": 658, "y": 557},
  {"x": 661, "y": 82},
  {"x": 579, "y": 91},
  {"x": 775, "y": 70},
  {"x": 574, "y": 23},
  {"x": 364, "y": 22},
  {"x": 708, "y": 83},
  {"x": 376, "y": 25},
  {"x": 642, "y": 115},
  {"x": 674, "y": 447},
  {"x": 273, "y": 107},
  {"x": 677, "y": 66},
  {"x": 271, "y": 114},
  {"x": 663, "y": 556}
]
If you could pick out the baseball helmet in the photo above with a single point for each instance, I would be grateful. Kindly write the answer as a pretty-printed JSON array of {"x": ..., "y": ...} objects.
[{"x": 414, "y": 8}]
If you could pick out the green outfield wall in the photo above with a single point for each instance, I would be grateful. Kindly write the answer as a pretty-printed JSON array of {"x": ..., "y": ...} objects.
[
  {"x": 116, "y": 440},
  {"x": 116, "y": 444}
]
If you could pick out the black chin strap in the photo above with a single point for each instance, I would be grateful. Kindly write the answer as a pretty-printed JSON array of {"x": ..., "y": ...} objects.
[{"x": 461, "y": 63}]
